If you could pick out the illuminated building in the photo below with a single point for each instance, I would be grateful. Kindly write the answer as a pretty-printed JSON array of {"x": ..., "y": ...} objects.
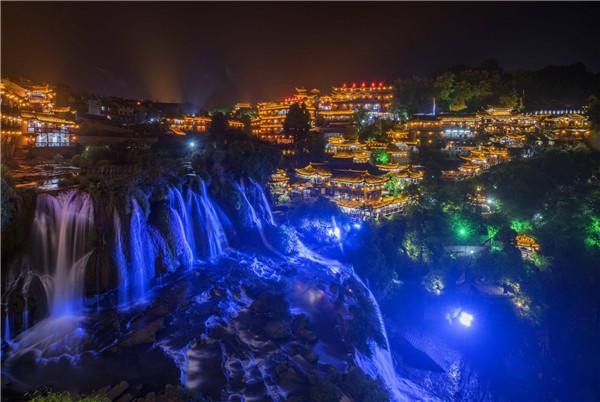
[
  {"x": 527, "y": 245},
  {"x": 375, "y": 99},
  {"x": 405, "y": 174},
  {"x": 356, "y": 192},
  {"x": 30, "y": 118},
  {"x": 279, "y": 187},
  {"x": 338, "y": 110},
  {"x": 345, "y": 184},
  {"x": 502, "y": 120},
  {"x": 241, "y": 107},
  {"x": 565, "y": 125},
  {"x": 268, "y": 125},
  {"x": 235, "y": 124},
  {"x": 13, "y": 101},
  {"x": 47, "y": 130},
  {"x": 182, "y": 125},
  {"x": 476, "y": 161},
  {"x": 459, "y": 126}
]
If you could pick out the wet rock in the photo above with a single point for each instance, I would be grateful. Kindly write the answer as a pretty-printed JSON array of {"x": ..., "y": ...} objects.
[
  {"x": 117, "y": 390},
  {"x": 144, "y": 335},
  {"x": 125, "y": 398},
  {"x": 311, "y": 356},
  {"x": 268, "y": 303},
  {"x": 150, "y": 397},
  {"x": 102, "y": 391},
  {"x": 277, "y": 329},
  {"x": 216, "y": 331},
  {"x": 158, "y": 311}
]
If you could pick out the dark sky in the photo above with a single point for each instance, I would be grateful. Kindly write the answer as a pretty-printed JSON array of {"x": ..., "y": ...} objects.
[{"x": 215, "y": 53}]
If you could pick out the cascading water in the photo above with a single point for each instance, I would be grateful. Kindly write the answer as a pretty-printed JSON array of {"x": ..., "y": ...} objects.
[
  {"x": 64, "y": 225},
  {"x": 194, "y": 231},
  {"x": 255, "y": 221},
  {"x": 120, "y": 260},
  {"x": 217, "y": 240},
  {"x": 134, "y": 255},
  {"x": 260, "y": 201},
  {"x": 380, "y": 364},
  {"x": 6, "y": 328},
  {"x": 197, "y": 222},
  {"x": 62, "y": 229},
  {"x": 181, "y": 227},
  {"x": 142, "y": 253}
]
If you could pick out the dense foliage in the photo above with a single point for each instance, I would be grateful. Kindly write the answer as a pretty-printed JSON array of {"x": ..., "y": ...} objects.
[
  {"x": 553, "y": 198},
  {"x": 464, "y": 88}
]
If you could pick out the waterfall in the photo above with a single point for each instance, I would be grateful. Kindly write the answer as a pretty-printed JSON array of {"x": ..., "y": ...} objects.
[
  {"x": 180, "y": 226},
  {"x": 197, "y": 222},
  {"x": 60, "y": 247},
  {"x": 63, "y": 226},
  {"x": 380, "y": 364},
  {"x": 6, "y": 328},
  {"x": 254, "y": 219},
  {"x": 120, "y": 260},
  {"x": 217, "y": 240},
  {"x": 261, "y": 202},
  {"x": 194, "y": 231},
  {"x": 142, "y": 254}
]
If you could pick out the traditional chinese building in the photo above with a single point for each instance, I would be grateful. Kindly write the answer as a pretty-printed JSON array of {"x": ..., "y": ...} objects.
[
  {"x": 502, "y": 120},
  {"x": 268, "y": 125},
  {"x": 31, "y": 119},
  {"x": 567, "y": 126},
  {"x": 337, "y": 111},
  {"x": 528, "y": 246},
  {"x": 279, "y": 187},
  {"x": 356, "y": 192},
  {"x": 182, "y": 125},
  {"x": 476, "y": 161}
]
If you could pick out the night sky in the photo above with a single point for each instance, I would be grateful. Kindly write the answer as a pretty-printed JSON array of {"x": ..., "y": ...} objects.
[{"x": 215, "y": 53}]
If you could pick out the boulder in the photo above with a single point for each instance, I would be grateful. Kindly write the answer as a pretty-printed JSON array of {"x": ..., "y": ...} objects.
[{"x": 143, "y": 335}]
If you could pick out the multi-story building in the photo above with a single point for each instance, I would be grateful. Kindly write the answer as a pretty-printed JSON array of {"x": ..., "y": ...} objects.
[
  {"x": 498, "y": 120},
  {"x": 182, "y": 125},
  {"x": 357, "y": 192},
  {"x": 564, "y": 125},
  {"x": 268, "y": 125},
  {"x": 338, "y": 111},
  {"x": 31, "y": 119},
  {"x": 477, "y": 160},
  {"x": 459, "y": 126}
]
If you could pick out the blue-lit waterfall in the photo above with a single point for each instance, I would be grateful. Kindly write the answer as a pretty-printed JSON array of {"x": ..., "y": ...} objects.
[
  {"x": 380, "y": 363},
  {"x": 59, "y": 252},
  {"x": 63, "y": 226},
  {"x": 175, "y": 227},
  {"x": 194, "y": 234}
]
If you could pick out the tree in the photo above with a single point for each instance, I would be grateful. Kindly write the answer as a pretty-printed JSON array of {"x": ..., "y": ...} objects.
[
  {"x": 379, "y": 156},
  {"x": 219, "y": 123},
  {"x": 297, "y": 121}
]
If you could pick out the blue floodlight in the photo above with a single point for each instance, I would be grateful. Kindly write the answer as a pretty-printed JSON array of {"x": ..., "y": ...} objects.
[{"x": 465, "y": 318}]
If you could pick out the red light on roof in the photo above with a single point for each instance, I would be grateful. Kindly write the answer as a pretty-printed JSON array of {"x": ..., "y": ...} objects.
[
  {"x": 363, "y": 84},
  {"x": 344, "y": 85},
  {"x": 381, "y": 84},
  {"x": 372, "y": 84},
  {"x": 354, "y": 85}
]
